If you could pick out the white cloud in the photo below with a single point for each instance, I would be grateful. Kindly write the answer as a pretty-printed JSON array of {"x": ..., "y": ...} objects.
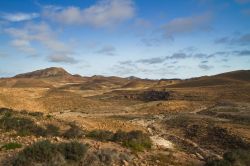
[
  {"x": 23, "y": 45},
  {"x": 103, "y": 13},
  {"x": 17, "y": 17},
  {"x": 187, "y": 24},
  {"x": 43, "y": 34}
]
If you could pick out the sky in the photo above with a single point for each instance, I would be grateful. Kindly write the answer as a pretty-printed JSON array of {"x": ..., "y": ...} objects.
[{"x": 144, "y": 38}]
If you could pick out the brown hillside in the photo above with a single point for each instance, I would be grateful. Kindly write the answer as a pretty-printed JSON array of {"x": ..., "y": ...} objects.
[
  {"x": 235, "y": 77},
  {"x": 45, "y": 73}
]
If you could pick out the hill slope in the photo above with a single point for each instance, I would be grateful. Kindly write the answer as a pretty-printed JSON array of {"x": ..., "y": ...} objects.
[
  {"x": 229, "y": 78},
  {"x": 45, "y": 73}
]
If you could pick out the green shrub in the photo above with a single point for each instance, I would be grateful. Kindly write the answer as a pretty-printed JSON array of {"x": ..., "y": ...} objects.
[
  {"x": 37, "y": 114},
  {"x": 218, "y": 163},
  {"x": 52, "y": 130},
  {"x": 73, "y": 132},
  {"x": 101, "y": 135},
  {"x": 73, "y": 151},
  {"x": 120, "y": 136},
  {"x": 40, "y": 152},
  {"x": 46, "y": 153},
  {"x": 23, "y": 126},
  {"x": 238, "y": 157},
  {"x": 5, "y": 110},
  {"x": 136, "y": 140},
  {"x": 12, "y": 145},
  {"x": 49, "y": 116}
]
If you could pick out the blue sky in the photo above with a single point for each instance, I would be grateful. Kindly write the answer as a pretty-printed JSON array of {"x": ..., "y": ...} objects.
[{"x": 144, "y": 38}]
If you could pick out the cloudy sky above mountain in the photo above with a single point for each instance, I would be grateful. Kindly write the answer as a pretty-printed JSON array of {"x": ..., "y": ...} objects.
[{"x": 148, "y": 39}]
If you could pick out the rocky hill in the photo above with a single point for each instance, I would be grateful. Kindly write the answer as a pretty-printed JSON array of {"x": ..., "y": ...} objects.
[{"x": 45, "y": 73}]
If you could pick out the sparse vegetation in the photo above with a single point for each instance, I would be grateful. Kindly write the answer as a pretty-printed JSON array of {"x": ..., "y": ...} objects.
[
  {"x": 73, "y": 132},
  {"x": 101, "y": 135},
  {"x": 22, "y": 125},
  {"x": 73, "y": 151},
  {"x": 164, "y": 159},
  {"x": 237, "y": 157},
  {"x": 188, "y": 125},
  {"x": 52, "y": 130},
  {"x": 36, "y": 114},
  {"x": 135, "y": 140},
  {"x": 47, "y": 153},
  {"x": 11, "y": 145}
]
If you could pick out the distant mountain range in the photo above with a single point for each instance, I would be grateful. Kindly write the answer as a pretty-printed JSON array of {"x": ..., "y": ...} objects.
[{"x": 58, "y": 77}]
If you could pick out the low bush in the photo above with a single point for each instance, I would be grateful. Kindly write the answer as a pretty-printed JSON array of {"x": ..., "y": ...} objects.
[
  {"x": 12, "y": 145},
  {"x": 73, "y": 132},
  {"x": 40, "y": 152},
  {"x": 46, "y": 153},
  {"x": 4, "y": 110},
  {"x": 23, "y": 126},
  {"x": 37, "y": 114},
  {"x": 73, "y": 151},
  {"x": 101, "y": 135},
  {"x": 237, "y": 157},
  {"x": 135, "y": 140},
  {"x": 52, "y": 130}
]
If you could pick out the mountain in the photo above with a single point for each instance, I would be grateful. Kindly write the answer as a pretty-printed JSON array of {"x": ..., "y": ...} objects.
[
  {"x": 44, "y": 78},
  {"x": 45, "y": 73},
  {"x": 229, "y": 78}
]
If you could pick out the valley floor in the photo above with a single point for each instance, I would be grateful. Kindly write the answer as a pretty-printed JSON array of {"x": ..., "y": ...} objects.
[{"x": 191, "y": 126}]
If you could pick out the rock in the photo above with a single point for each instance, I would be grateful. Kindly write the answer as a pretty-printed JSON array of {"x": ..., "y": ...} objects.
[
  {"x": 199, "y": 156},
  {"x": 125, "y": 163},
  {"x": 58, "y": 139}
]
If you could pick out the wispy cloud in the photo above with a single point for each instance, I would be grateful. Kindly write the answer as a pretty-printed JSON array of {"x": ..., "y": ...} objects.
[
  {"x": 177, "y": 26},
  {"x": 17, "y": 17},
  {"x": 155, "y": 60},
  {"x": 184, "y": 25},
  {"x": 205, "y": 67},
  {"x": 232, "y": 40},
  {"x": 103, "y": 13},
  {"x": 43, "y": 34},
  {"x": 23, "y": 45},
  {"x": 61, "y": 58},
  {"x": 242, "y": 53},
  {"x": 107, "y": 50}
]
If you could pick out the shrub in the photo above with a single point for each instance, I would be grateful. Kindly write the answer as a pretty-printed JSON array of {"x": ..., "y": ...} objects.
[
  {"x": 238, "y": 157},
  {"x": 120, "y": 136},
  {"x": 136, "y": 140},
  {"x": 4, "y": 110},
  {"x": 52, "y": 130},
  {"x": 37, "y": 114},
  {"x": 101, "y": 135},
  {"x": 73, "y": 132},
  {"x": 40, "y": 152},
  {"x": 73, "y": 151},
  {"x": 12, "y": 145},
  {"x": 46, "y": 153},
  {"x": 49, "y": 116},
  {"x": 23, "y": 126}
]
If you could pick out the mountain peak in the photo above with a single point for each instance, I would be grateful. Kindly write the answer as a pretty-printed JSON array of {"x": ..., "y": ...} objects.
[{"x": 45, "y": 73}]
